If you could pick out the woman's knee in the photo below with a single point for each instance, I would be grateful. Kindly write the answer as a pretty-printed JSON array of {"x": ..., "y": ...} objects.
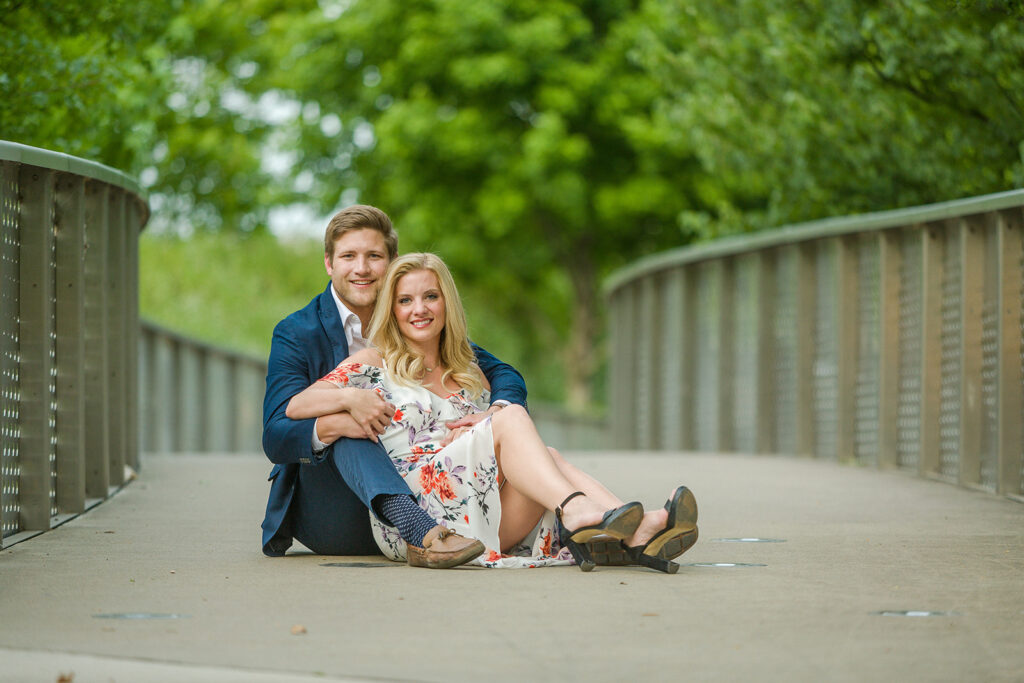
[
  {"x": 513, "y": 411},
  {"x": 511, "y": 414}
]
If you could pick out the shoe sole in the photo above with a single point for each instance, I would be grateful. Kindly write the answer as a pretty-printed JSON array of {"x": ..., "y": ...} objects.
[
  {"x": 609, "y": 553},
  {"x": 470, "y": 553}
]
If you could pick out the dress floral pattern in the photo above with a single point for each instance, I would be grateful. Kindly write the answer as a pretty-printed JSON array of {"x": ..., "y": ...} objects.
[{"x": 457, "y": 485}]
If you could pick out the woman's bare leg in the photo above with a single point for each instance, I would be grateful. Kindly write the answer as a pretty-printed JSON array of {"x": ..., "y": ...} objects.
[
  {"x": 529, "y": 468},
  {"x": 519, "y": 515},
  {"x": 541, "y": 475},
  {"x": 653, "y": 521}
]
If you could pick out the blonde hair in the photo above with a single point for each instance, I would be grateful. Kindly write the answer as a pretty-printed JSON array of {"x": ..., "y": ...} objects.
[{"x": 456, "y": 355}]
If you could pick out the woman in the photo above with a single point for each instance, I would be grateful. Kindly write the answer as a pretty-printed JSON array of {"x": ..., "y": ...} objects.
[{"x": 495, "y": 481}]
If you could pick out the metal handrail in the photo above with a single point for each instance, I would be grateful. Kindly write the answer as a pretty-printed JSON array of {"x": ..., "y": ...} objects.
[
  {"x": 891, "y": 339},
  {"x": 68, "y": 335}
]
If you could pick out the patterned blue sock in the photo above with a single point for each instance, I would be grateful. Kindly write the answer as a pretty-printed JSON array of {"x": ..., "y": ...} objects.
[{"x": 404, "y": 514}]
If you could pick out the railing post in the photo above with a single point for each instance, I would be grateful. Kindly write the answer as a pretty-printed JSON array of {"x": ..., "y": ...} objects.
[
  {"x": 726, "y": 354},
  {"x": 972, "y": 264},
  {"x": 767, "y": 388},
  {"x": 117, "y": 329},
  {"x": 147, "y": 404},
  {"x": 806, "y": 307},
  {"x": 131, "y": 351},
  {"x": 1009, "y": 228},
  {"x": 648, "y": 356},
  {"x": 628, "y": 391},
  {"x": 687, "y": 410},
  {"x": 35, "y": 346},
  {"x": 677, "y": 358},
  {"x": 889, "y": 264},
  {"x": 9, "y": 379},
  {"x": 191, "y": 400},
  {"x": 70, "y": 351},
  {"x": 931, "y": 345},
  {"x": 97, "y": 352},
  {"x": 846, "y": 351}
]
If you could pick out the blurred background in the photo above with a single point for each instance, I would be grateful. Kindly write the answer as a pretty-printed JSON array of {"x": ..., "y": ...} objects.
[{"x": 536, "y": 146}]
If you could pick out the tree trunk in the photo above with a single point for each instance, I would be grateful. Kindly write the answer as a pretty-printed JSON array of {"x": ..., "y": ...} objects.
[{"x": 581, "y": 351}]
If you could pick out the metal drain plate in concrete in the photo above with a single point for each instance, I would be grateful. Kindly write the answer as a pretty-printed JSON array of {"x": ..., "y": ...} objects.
[
  {"x": 722, "y": 564},
  {"x": 140, "y": 615}
]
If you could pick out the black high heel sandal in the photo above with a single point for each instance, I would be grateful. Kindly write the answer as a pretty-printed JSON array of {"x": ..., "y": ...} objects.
[
  {"x": 586, "y": 542},
  {"x": 678, "y": 536}
]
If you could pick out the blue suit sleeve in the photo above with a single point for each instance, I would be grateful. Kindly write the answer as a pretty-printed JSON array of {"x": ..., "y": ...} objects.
[
  {"x": 286, "y": 441},
  {"x": 506, "y": 382}
]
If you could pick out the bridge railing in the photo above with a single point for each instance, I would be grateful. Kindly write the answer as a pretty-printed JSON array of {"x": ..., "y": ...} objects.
[
  {"x": 68, "y": 335},
  {"x": 887, "y": 340},
  {"x": 197, "y": 397}
]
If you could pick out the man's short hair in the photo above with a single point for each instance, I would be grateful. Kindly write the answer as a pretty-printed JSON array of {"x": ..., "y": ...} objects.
[{"x": 361, "y": 217}]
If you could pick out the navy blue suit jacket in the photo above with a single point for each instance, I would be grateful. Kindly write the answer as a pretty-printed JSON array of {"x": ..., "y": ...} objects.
[{"x": 306, "y": 346}]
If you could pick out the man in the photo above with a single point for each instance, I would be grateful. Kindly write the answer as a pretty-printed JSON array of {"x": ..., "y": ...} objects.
[{"x": 328, "y": 471}]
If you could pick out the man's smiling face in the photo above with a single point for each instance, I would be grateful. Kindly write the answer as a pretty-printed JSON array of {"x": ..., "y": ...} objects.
[{"x": 356, "y": 269}]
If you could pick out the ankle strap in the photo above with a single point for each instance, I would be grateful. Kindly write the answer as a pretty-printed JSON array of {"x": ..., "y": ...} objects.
[{"x": 570, "y": 497}]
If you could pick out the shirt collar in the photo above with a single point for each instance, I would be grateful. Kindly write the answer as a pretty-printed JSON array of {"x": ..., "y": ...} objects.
[{"x": 349, "y": 320}]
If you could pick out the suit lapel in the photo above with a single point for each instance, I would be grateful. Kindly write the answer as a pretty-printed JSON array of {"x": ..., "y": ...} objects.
[{"x": 333, "y": 327}]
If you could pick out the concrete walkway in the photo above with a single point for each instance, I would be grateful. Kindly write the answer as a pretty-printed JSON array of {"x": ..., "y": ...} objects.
[{"x": 183, "y": 541}]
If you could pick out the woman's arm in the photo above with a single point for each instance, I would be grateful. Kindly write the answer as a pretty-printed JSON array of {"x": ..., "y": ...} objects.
[
  {"x": 322, "y": 398},
  {"x": 326, "y": 398}
]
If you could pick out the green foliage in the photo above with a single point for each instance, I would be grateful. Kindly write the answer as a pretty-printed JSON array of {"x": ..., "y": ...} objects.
[
  {"x": 535, "y": 145},
  {"x": 74, "y": 76},
  {"x": 515, "y": 139},
  {"x": 810, "y": 109},
  {"x": 226, "y": 288}
]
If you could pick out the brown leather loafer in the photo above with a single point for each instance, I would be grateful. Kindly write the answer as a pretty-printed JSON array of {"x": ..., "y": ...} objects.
[{"x": 442, "y": 549}]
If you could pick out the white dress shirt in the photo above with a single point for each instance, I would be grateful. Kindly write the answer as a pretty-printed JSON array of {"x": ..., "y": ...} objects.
[{"x": 356, "y": 342}]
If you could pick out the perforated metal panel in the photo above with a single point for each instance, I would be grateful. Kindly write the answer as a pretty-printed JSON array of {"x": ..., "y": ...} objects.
[
  {"x": 949, "y": 394},
  {"x": 908, "y": 422},
  {"x": 990, "y": 364},
  {"x": 707, "y": 351},
  {"x": 866, "y": 404},
  {"x": 1020, "y": 490},
  {"x": 9, "y": 393},
  {"x": 52, "y": 388},
  {"x": 885, "y": 340},
  {"x": 826, "y": 374},
  {"x": 785, "y": 330},
  {"x": 743, "y": 346}
]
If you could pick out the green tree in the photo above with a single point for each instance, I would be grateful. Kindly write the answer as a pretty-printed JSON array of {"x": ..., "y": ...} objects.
[
  {"x": 811, "y": 109},
  {"x": 515, "y": 138},
  {"x": 535, "y": 145},
  {"x": 140, "y": 87},
  {"x": 71, "y": 76}
]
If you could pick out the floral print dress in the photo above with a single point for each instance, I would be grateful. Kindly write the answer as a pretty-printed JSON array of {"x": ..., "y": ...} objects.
[{"x": 457, "y": 485}]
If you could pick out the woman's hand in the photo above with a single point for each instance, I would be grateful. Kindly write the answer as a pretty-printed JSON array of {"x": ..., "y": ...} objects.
[
  {"x": 370, "y": 411},
  {"x": 465, "y": 423},
  {"x": 365, "y": 406},
  {"x": 454, "y": 434}
]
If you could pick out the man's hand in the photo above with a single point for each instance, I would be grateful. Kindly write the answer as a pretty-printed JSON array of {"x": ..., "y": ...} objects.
[
  {"x": 371, "y": 412},
  {"x": 459, "y": 427}
]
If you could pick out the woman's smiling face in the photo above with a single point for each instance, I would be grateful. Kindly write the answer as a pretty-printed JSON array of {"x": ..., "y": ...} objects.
[{"x": 419, "y": 306}]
